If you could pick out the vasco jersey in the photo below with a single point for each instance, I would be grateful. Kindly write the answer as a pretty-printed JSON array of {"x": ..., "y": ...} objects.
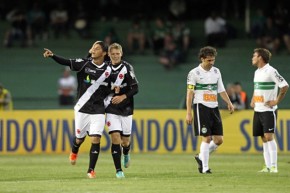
[
  {"x": 87, "y": 74},
  {"x": 207, "y": 84},
  {"x": 266, "y": 83},
  {"x": 124, "y": 73}
]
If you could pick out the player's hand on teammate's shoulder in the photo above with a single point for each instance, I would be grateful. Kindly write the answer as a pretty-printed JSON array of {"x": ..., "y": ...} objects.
[{"x": 47, "y": 53}]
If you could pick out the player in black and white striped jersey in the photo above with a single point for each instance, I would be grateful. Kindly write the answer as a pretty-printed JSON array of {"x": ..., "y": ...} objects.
[
  {"x": 93, "y": 86},
  {"x": 119, "y": 112}
]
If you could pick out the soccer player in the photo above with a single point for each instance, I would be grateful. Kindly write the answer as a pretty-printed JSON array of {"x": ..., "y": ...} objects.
[
  {"x": 203, "y": 84},
  {"x": 265, "y": 101},
  {"x": 120, "y": 107},
  {"x": 6, "y": 103},
  {"x": 93, "y": 86}
]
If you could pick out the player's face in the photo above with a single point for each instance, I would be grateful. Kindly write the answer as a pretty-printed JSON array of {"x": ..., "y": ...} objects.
[
  {"x": 255, "y": 59},
  {"x": 115, "y": 56},
  {"x": 97, "y": 51},
  {"x": 208, "y": 61}
]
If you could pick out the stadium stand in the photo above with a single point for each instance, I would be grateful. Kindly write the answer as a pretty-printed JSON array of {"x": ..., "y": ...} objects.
[{"x": 33, "y": 80}]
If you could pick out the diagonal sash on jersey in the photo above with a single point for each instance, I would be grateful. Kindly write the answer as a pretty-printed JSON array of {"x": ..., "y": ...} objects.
[
  {"x": 117, "y": 83},
  {"x": 92, "y": 89}
]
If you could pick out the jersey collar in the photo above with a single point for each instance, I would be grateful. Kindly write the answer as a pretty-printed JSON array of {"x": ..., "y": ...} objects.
[
  {"x": 264, "y": 67},
  {"x": 98, "y": 66},
  {"x": 117, "y": 66},
  {"x": 202, "y": 69}
]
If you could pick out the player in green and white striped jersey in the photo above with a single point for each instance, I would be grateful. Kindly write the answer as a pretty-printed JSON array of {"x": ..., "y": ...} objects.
[
  {"x": 264, "y": 101},
  {"x": 204, "y": 83}
]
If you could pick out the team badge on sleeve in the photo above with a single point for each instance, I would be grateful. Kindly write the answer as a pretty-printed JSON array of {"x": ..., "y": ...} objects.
[
  {"x": 79, "y": 60},
  {"x": 190, "y": 86},
  {"x": 279, "y": 77}
]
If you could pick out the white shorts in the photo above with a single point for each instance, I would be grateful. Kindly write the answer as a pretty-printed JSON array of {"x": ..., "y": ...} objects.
[
  {"x": 119, "y": 123},
  {"x": 89, "y": 124}
]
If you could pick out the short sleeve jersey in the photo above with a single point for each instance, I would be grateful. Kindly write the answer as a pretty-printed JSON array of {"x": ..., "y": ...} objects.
[
  {"x": 207, "y": 84},
  {"x": 129, "y": 79},
  {"x": 87, "y": 74},
  {"x": 266, "y": 83}
]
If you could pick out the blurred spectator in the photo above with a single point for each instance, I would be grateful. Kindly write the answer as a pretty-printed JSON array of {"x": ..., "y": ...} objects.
[
  {"x": 6, "y": 103},
  {"x": 37, "y": 22},
  {"x": 109, "y": 35},
  {"x": 215, "y": 30},
  {"x": 269, "y": 37},
  {"x": 258, "y": 23},
  {"x": 234, "y": 97},
  {"x": 282, "y": 21},
  {"x": 243, "y": 95},
  {"x": 177, "y": 9},
  {"x": 19, "y": 29},
  {"x": 170, "y": 55},
  {"x": 182, "y": 38},
  {"x": 59, "y": 20},
  {"x": 67, "y": 88},
  {"x": 81, "y": 21},
  {"x": 158, "y": 34},
  {"x": 136, "y": 38}
]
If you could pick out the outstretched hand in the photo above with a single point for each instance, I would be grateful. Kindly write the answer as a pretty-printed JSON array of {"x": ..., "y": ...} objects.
[{"x": 47, "y": 53}]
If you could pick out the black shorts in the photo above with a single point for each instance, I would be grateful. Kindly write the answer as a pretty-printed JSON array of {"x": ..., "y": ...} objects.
[
  {"x": 207, "y": 121},
  {"x": 264, "y": 122}
]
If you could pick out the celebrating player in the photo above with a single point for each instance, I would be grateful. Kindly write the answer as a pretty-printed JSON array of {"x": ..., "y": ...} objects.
[
  {"x": 93, "y": 80},
  {"x": 203, "y": 84},
  {"x": 120, "y": 108}
]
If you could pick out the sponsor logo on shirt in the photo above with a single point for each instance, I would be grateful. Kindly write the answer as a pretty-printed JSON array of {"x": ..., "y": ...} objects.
[
  {"x": 87, "y": 80},
  {"x": 90, "y": 71},
  {"x": 279, "y": 77}
]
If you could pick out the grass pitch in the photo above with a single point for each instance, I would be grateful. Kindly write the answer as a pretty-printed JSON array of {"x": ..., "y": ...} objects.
[{"x": 152, "y": 173}]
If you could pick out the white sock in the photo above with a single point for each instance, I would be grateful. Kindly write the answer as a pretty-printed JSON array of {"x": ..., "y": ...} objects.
[
  {"x": 273, "y": 152},
  {"x": 212, "y": 146},
  {"x": 204, "y": 155},
  {"x": 266, "y": 154}
]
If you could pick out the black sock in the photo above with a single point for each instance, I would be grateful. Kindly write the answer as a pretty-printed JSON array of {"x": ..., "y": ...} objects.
[
  {"x": 75, "y": 146},
  {"x": 126, "y": 149},
  {"x": 116, "y": 154},
  {"x": 94, "y": 154}
]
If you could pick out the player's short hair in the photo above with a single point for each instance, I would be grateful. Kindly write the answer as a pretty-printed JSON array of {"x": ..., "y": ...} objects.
[
  {"x": 264, "y": 53},
  {"x": 104, "y": 48},
  {"x": 115, "y": 46},
  {"x": 207, "y": 51},
  {"x": 103, "y": 45}
]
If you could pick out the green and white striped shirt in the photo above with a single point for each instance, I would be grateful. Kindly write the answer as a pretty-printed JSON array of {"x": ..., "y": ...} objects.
[
  {"x": 266, "y": 83},
  {"x": 207, "y": 85}
]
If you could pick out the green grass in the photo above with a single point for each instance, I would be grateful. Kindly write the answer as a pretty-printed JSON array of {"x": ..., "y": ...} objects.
[{"x": 160, "y": 173}]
